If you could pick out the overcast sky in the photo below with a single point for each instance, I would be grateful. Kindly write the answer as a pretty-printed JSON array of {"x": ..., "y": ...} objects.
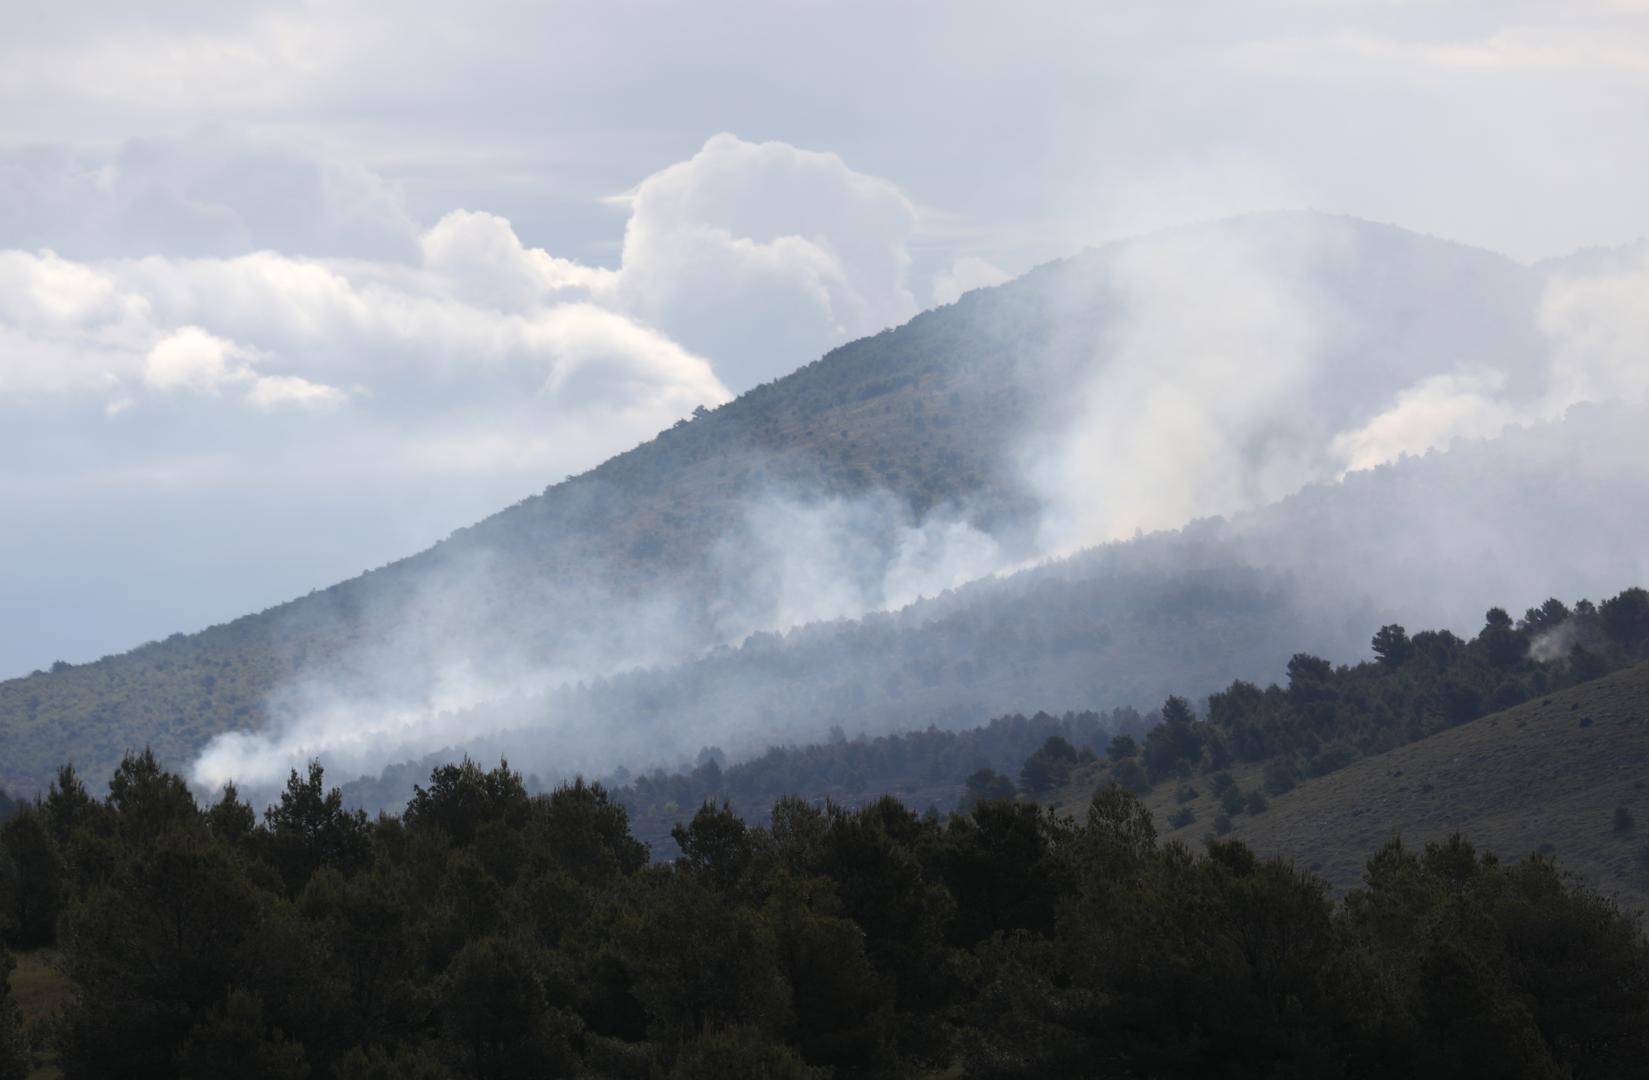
[{"x": 289, "y": 290}]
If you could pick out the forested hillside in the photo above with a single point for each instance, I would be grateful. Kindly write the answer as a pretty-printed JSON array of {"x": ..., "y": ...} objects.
[
  {"x": 1123, "y": 625},
  {"x": 644, "y": 561},
  {"x": 1520, "y": 737},
  {"x": 1215, "y": 763}
]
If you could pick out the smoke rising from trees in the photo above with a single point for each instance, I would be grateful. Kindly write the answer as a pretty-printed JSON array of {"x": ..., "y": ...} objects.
[{"x": 1389, "y": 425}]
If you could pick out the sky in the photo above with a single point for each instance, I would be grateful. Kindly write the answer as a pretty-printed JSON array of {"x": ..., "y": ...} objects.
[{"x": 290, "y": 290}]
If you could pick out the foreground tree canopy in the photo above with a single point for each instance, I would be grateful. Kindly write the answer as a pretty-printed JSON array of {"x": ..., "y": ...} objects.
[{"x": 491, "y": 933}]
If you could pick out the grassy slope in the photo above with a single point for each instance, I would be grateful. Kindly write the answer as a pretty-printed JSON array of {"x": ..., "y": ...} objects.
[
  {"x": 1533, "y": 778},
  {"x": 40, "y": 991}
]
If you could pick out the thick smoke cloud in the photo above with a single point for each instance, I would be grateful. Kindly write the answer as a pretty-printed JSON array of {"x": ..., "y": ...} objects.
[
  {"x": 1247, "y": 360},
  {"x": 1190, "y": 402},
  {"x": 413, "y": 687}
]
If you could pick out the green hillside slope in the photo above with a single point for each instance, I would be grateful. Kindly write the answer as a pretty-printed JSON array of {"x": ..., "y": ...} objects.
[
  {"x": 1546, "y": 776},
  {"x": 1126, "y": 624}
]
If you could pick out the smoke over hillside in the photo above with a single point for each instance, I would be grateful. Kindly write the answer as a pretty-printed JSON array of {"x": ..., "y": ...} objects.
[{"x": 1267, "y": 370}]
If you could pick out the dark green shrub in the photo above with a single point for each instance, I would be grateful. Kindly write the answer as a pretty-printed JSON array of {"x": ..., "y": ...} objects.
[
  {"x": 1332, "y": 759},
  {"x": 1281, "y": 776},
  {"x": 741, "y": 1053},
  {"x": 1131, "y": 775},
  {"x": 987, "y": 785}
]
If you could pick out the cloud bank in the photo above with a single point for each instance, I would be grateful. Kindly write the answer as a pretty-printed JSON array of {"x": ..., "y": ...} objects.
[{"x": 284, "y": 316}]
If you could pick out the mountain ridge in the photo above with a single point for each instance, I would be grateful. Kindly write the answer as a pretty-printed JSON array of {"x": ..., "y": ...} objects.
[{"x": 928, "y": 414}]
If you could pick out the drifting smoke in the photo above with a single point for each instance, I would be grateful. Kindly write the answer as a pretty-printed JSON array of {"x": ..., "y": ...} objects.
[
  {"x": 796, "y": 562},
  {"x": 1248, "y": 359},
  {"x": 403, "y": 694},
  {"x": 1303, "y": 376},
  {"x": 1210, "y": 349},
  {"x": 1555, "y": 643}
]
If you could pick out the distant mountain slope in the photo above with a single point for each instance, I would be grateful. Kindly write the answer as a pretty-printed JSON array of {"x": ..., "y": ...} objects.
[
  {"x": 1098, "y": 631},
  {"x": 1430, "y": 541},
  {"x": 927, "y": 419},
  {"x": 1546, "y": 776},
  {"x": 917, "y": 413}
]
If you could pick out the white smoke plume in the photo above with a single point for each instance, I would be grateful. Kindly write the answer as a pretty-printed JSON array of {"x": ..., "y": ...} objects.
[
  {"x": 411, "y": 689},
  {"x": 1258, "y": 369}
]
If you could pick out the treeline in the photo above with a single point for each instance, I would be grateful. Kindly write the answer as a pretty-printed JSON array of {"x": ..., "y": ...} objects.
[
  {"x": 1327, "y": 717},
  {"x": 491, "y": 933},
  {"x": 1105, "y": 629},
  {"x": 1323, "y": 719},
  {"x": 925, "y": 769}
]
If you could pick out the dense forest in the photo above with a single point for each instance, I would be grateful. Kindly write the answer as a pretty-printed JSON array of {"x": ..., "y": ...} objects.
[
  {"x": 491, "y": 933},
  {"x": 924, "y": 769}
]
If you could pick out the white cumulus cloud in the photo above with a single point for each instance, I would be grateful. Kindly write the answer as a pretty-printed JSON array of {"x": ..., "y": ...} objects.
[
  {"x": 764, "y": 255},
  {"x": 481, "y": 256},
  {"x": 192, "y": 359},
  {"x": 965, "y": 273}
]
